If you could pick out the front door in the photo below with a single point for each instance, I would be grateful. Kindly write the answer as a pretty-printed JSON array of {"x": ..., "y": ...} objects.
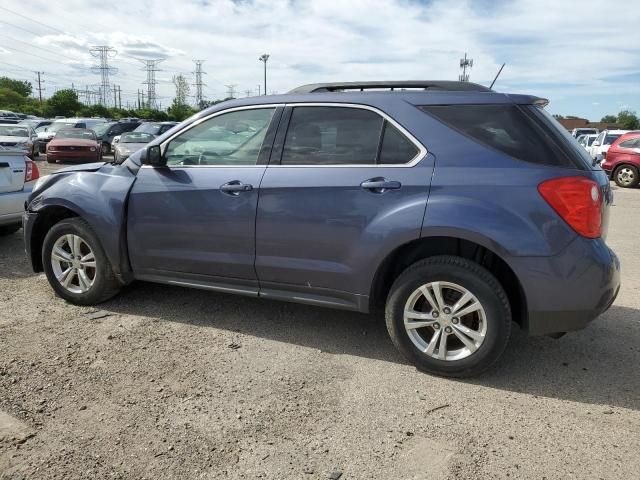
[{"x": 195, "y": 218}]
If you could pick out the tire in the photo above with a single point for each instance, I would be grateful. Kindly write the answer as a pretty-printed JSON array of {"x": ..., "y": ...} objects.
[
  {"x": 464, "y": 355},
  {"x": 626, "y": 176},
  {"x": 9, "y": 229},
  {"x": 50, "y": 160},
  {"x": 106, "y": 148},
  {"x": 104, "y": 284}
]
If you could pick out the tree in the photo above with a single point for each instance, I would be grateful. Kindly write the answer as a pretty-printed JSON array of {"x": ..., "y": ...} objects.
[
  {"x": 628, "y": 120},
  {"x": 64, "y": 102},
  {"x": 19, "y": 86},
  {"x": 609, "y": 119},
  {"x": 10, "y": 99}
]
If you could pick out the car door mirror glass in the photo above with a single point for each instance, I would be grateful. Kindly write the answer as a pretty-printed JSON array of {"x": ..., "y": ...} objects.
[{"x": 154, "y": 156}]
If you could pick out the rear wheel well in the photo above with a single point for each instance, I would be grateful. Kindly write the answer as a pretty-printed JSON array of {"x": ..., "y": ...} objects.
[
  {"x": 46, "y": 219},
  {"x": 408, "y": 254}
]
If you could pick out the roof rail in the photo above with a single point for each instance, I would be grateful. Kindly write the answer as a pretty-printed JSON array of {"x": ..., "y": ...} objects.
[{"x": 443, "y": 85}]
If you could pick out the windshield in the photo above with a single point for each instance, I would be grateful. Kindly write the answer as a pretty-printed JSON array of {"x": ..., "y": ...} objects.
[
  {"x": 13, "y": 131},
  {"x": 152, "y": 128},
  {"x": 610, "y": 138},
  {"x": 80, "y": 133},
  {"x": 102, "y": 128},
  {"x": 136, "y": 137},
  {"x": 56, "y": 126}
]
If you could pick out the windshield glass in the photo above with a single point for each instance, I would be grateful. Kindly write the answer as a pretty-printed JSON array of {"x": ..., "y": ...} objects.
[
  {"x": 80, "y": 133},
  {"x": 610, "y": 138},
  {"x": 13, "y": 131},
  {"x": 56, "y": 126},
  {"x": 152, "y": 128},
  {"x": 136, "y": 137},
  {"x": 102, "y": 128}
]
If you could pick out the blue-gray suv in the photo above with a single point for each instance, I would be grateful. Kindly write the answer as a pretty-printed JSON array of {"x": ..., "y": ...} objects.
[{"x": 456, "y": 209}]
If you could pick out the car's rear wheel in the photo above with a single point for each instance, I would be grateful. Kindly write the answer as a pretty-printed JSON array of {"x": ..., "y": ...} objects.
[
  {"x": 75, "y": 264},
  {"x": 106, "y": 148},
  {"x": 449, "y": 316},
  {"x": 626, "y": 176}
]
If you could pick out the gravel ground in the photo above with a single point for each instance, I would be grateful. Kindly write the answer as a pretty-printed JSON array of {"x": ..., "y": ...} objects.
[{"x": 165, "y": 382}]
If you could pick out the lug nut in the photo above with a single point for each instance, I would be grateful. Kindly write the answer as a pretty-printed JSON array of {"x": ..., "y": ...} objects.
[
  {"x": 434, "y": 314},
  {"x": 454, "y": 320},
  {"x": 436, "y": 326},
  {"x": 448, "y": 329},
  {"x": 447, "y": 310}
]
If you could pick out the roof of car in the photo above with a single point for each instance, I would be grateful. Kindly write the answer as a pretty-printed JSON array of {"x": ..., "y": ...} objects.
[{"x": 442, "y": 85}]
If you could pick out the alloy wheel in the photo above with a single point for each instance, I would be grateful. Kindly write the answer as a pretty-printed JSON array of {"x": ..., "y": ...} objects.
[
  {"x": 445, "y": 321},
  {"x": 73, "y": 263},
  {"x": 626, "y": 176}
]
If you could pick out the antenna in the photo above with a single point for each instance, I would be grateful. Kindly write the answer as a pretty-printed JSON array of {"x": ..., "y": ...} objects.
[
  {"x": 104, "y": 52},
  {"x": 497, "y": 75},
  {"x": 464, "y": 64}
]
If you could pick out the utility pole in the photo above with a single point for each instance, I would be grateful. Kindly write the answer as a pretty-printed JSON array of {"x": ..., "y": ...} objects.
[
  {"x": 40, "y": 88},
  {"x": 263, "y": 58},
  {"x": 151, "y": 67},
  {"x": 115, "y": 96},
  {"x": 248, "y": 93},
  {"x": 231, "y": 91},
  {"x": 258, "y": 89},
  {"x": 104, "y": 52},
  {"x": 142, "y": 95},
  {"x": 464, "y": 63},
  {"x": 199, "y": 84},
  {"x": 119, "y": 98}
]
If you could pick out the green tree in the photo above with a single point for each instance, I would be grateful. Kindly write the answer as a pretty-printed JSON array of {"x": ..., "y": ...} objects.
[
  {"x": 10, "y": 99},
  {"x": 19, "y": 86},
  {"x": 628, "y": 120},
  {"x": 64, "y": 102},
  {"x": 609, "y": 119}
]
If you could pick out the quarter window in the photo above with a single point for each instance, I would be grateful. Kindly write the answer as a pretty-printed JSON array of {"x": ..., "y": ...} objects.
[
  {"x": 233, "y": 138},
  {"x": 396, "y": 148},
  {"x": 632, "y": 143}
]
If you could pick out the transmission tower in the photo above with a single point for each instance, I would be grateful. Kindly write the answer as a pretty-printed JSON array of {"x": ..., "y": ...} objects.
[
  {"x": 104, "y": 53},
  {"x": 151, "y": 66},
  {"x": 231, "y": 91},
  {"x": 199, "y": 84},
  {"x": 464, "y": 64}
]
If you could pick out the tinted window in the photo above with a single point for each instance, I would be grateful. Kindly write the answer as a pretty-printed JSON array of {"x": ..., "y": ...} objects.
[
  {"x": 522, "y": 133},
  {"x": 332, "y": 136},
  {"x": 631, "y": 143},
  {"x": 612, "y": 137},
  {"x": 233, "y": 138},
  {"x": 396, "y": 148}
]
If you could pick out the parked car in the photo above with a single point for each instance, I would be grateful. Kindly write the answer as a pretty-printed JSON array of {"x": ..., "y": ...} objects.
[
  {"x": 622, "y": 161},
  {"x": 455, "y": 208},
  {"x": 18, "y": 174},
  {"x": 8, "y": 118},
  {"x": 49, "y": 132},
  {"x": 576, "y": 132},
  {"x": 154, "y": 128},
  {"x": 20, "y": 138},
  {"x": 587, "y": 140},
  {"x": 130, "y": 142},
  {"x": 38, "y": 125},
  {"x": 602, "y": 142},
  {"x": 106, "y": 131},
  {"x": 74, "y": 145}
]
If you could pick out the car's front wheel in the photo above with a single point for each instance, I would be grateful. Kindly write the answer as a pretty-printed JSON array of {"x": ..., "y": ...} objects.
[
  {"x": 449, "y": 316},
  {"x": 106, "y": 148},
  {"x": 75, "y": 264}
]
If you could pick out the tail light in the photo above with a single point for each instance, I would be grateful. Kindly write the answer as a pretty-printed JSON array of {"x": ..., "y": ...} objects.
[
  {"x": 578, "y": 202},
  {"x": 31, "y": 172}
]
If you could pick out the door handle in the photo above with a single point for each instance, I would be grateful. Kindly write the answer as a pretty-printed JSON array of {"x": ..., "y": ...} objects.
[
  {"x": 235, "y": 187},
  {"x": 380, "y": 185}
]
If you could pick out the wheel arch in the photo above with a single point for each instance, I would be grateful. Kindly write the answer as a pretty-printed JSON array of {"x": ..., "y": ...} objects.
[
  {"x": 47, "y": 217},
  {"x": 483, "y": 253}
]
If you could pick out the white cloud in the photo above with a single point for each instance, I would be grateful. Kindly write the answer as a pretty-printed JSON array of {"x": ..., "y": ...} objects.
[{"x": 560, "y": 50}]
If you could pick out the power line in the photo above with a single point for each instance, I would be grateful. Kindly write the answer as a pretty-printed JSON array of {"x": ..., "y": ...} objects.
[
  {"x": 104, "y": 52},
  {"x": 33, "y": 20},
  {"x": 199, "y": 84},
  {"x": 151, "y": 66},
  {"x": 231, "y": 91}
]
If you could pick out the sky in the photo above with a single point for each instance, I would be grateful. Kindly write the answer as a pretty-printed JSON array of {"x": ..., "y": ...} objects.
[{"x": 583, "y": 55}]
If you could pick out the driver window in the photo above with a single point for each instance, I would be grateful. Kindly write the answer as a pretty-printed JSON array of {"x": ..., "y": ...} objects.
[{"x": 233, "y": 138}]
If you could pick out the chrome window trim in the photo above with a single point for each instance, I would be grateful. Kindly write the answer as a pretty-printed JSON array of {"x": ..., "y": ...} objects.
[{"x": 422, "y": 150}]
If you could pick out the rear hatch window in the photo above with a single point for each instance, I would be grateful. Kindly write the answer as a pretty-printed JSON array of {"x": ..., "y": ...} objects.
[{"x": 525, "y": 132}]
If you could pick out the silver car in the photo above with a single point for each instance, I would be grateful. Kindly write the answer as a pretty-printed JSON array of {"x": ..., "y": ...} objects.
[
  {"x": 18, "y": 174},
  {"x": 129, "y": 143}
]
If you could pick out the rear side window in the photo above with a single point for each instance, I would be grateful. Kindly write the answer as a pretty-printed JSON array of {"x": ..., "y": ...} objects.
[
  {"x": 396, "y": 148},
  {"x": 332, "y": 136},
  {"x": 632, "y": 143},
  {"x": 520, "y": 132}
]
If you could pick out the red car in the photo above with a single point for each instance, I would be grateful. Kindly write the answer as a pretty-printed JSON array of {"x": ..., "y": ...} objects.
[
  {"x": 622, "y": 161},
  {"x": 74, "y": 145}
]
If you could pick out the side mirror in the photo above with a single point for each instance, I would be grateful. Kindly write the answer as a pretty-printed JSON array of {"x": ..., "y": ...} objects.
[
  {"x": 154, "y": 156},
  {"x": 596, "y": 144}
]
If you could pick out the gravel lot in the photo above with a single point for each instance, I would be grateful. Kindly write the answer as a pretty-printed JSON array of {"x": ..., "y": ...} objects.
[{"x": 165, "y": 382}]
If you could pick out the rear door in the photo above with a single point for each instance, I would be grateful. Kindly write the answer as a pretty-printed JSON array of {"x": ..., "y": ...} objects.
[
  {"x": 344, "y": 183},
  {"x": 12, "y": 167}
]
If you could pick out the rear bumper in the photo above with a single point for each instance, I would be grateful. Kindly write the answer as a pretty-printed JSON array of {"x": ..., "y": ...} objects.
[
  {"x": 569, "y": 290},
  {"x": 12, "y": 205}
]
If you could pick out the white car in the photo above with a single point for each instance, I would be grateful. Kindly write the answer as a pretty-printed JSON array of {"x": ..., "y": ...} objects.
[
  {"x": 587, "y": 140},
  {"x": 603, "y": 141},
  {"x": 576, "y": 132},
  {"x": 18, "y": 174},
  {"x": 19, "y": 138}
]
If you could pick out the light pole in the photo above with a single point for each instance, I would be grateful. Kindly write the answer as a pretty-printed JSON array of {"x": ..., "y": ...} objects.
[{"x": 263, "y": 58}]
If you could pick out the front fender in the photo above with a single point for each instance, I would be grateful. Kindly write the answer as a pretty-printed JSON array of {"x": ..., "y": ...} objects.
[{"x": 100, "y": 198}]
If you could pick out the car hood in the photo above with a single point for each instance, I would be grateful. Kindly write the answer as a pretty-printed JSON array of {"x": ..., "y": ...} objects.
[
  {"x": 129, "y": 147},
  {"x": 85, "y": 167},
  {"x": 73, "y": 142},
  {"x": 46, "y": 134},
  {"x": 7, "y": 138}
]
